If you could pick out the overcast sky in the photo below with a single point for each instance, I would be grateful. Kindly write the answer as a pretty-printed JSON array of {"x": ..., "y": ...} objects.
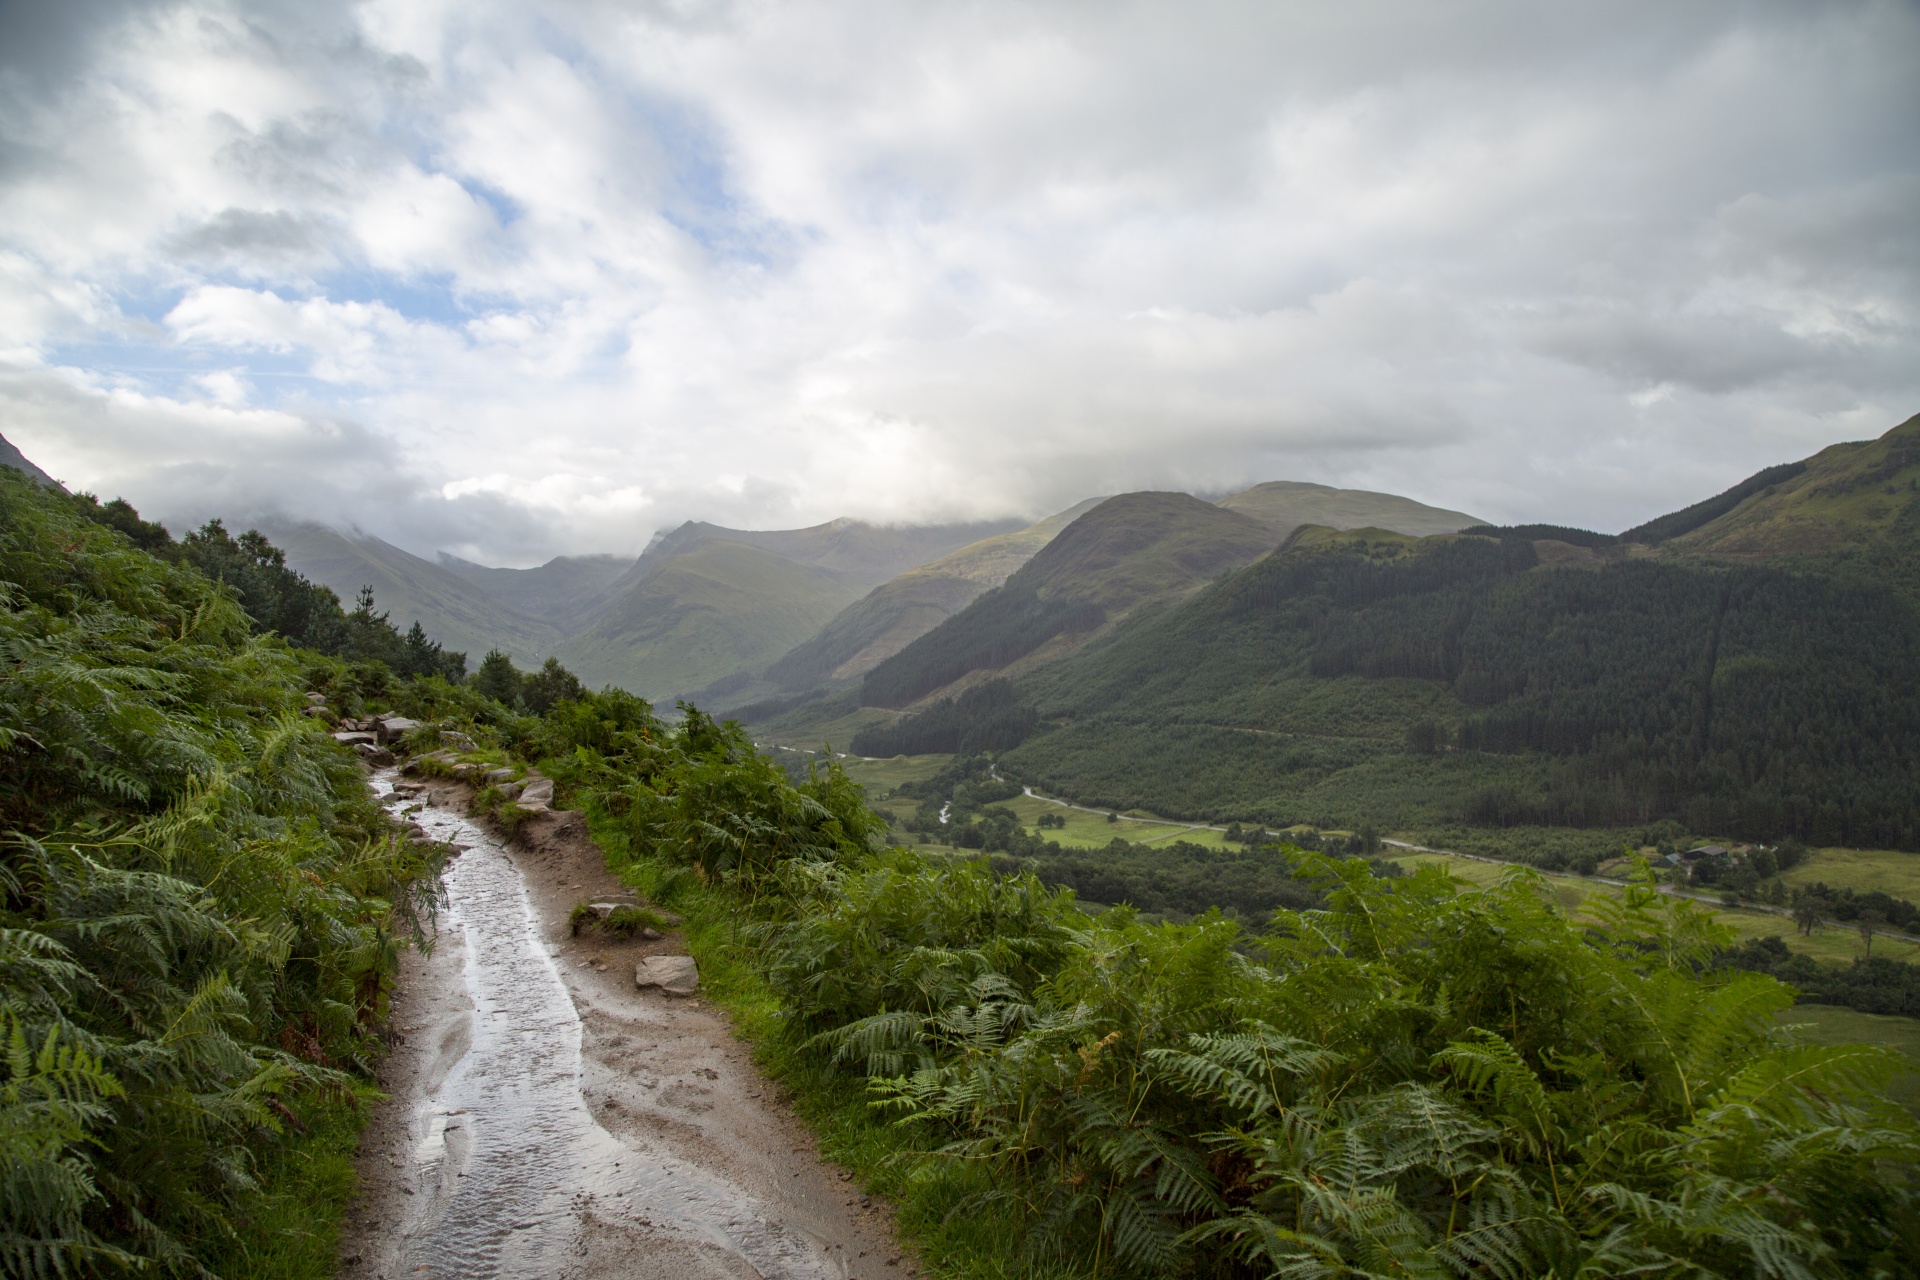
[{"x": 515, "y": 279}]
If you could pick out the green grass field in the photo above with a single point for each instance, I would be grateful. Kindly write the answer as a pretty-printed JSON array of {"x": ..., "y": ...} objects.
[
  {"x": 1887, "y": 870},
  {"x": 1829, "y": 1024}
]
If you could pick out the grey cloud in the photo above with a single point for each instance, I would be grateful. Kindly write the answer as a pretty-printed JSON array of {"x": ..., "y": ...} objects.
[{"x": 250, "y": 238}]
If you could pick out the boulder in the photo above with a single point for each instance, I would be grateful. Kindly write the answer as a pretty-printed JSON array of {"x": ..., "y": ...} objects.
[
  {"x": 537, "y": 789},
  {"x": 317, "y": 699},
  {"x": 458, "y": 741},
  {"x": 318, "y": 713},
  {"x": 509, "y": 790},
  {"x": 393, "y": 728},
  {"x": 466, "y": 772},
  {"x": 373, "y": 754},
  {"x": 499, "y": 775},
  {"x": 675, "y": 975},
  {"x": 353, "y": 738}
]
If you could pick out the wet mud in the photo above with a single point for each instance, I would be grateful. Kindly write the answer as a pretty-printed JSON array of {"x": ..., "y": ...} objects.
[{"x": 548, "y": 1119}]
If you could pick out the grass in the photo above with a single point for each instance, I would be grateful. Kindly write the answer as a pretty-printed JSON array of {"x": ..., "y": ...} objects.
[
  {"x": 290, "y": 1228},
  {"x": 1864, "y": 870},
  {"x": 1091, "y": 830},
  {"x": 1830, "y": 1024}
]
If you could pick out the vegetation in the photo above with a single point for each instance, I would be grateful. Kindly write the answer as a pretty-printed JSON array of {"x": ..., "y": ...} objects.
[
  {"x": 1129, "y": 550},
  {"x": 987, "y": 717},
  {"x": 199, "y": 903},
  {"x": 1752, "y": 701},
  {"x": 1401, "y": 1079}
]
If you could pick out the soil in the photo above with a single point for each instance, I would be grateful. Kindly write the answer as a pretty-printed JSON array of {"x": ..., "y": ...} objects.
[{"x": 663, "y": 1077}]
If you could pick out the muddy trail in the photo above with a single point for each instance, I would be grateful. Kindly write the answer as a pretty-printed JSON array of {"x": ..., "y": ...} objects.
[{"x": 546, "y": 1118}]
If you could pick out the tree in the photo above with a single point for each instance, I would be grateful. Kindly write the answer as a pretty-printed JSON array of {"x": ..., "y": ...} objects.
[
  {"x": 550, "y": 685},
  {"x": 497, "y": 679},
  {"x": 1869, "y": 923},
  {"x": 1806, "y": 912}
]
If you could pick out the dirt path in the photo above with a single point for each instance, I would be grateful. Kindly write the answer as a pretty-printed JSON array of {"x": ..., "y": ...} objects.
[{"x": 548, "y": 1119}]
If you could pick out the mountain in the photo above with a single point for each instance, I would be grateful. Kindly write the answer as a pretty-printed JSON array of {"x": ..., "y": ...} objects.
[
  {"x": 863, "y": 553},
  {"x": 1730, "y": 669},
  {"x": 900, "y": 611},
  {"x": 1285, "y": 505},
  {"x": 721, "y": 608},
  {"x": 1127, "y": 551},
  {"x": 450, "y": 606},
  {"x": 1851, "y": 509},
  {"x": 10, "y": 456},
  {"x": 562, "y": 591}
]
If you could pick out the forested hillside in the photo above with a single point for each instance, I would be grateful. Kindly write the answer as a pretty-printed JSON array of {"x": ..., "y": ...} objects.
[{"x": 1741, "y": 699}]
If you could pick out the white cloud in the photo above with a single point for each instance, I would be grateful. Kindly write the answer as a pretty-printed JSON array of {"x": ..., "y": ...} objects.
[{"x": 517, "y": 280}]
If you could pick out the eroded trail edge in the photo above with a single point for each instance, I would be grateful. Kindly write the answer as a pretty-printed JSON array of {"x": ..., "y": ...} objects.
[{"x": 549, "y": 1120}]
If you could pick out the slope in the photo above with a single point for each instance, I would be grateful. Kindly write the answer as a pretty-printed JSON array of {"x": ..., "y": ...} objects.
[
  {"x": 1372, "y": 677},
  {"x": 1285, "y": 505},
  {"x": 720, "y": 608},
  {"x": 1127, "y": 551},
  {"x": 1850, "y": 510},
  {"x": 900, "y": 611},
  {"x": 10, "y": 456},
  {"x": 862, "y": 553},
  {"x": 452, "y": 609},
  {"x": 561, "y": 591}
]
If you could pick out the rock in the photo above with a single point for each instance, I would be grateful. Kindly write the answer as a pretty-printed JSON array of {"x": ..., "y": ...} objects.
[
  {"x": 373, "y": 754},
  {"x": 392, "y": 728},
  {"x": 499, "y": 775},
  {"x": 318, "y": 713},
  {"x": 675, "y": 975},
  {"x": 651, "y": 935},
  {"x": 317, "y": 699},
  {"x": 353, "y": 738},
  {"x": 458, "y": 741},
  {"x": 510, "y": 790},
  {"x": 466, "y": 772},
  {"x": 538, "y": 789}
]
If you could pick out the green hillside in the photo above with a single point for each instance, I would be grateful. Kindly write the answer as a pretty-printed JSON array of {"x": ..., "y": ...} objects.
[
  {"x": 562, "y": 591},
  {"x": 452, "y": 608},
  {"x": 896, "y": 613},
  {"x": 862, "y": 553},
  {"x": 1285, "y": 505},
  {"x": 1367, "y": 676},
  {"x": 1127, "y": 551},
  {"x": 721, "y": 608}
]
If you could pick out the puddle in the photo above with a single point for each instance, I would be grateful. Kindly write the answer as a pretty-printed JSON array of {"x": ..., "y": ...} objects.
[{"x": 510, "y": 1173}]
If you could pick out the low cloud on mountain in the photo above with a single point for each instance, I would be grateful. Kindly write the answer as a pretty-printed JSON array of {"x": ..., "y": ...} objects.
[{"x": 512, "y": 281}]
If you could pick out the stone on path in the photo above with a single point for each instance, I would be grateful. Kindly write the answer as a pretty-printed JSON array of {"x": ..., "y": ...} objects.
[{"x": 675, "y": 975}]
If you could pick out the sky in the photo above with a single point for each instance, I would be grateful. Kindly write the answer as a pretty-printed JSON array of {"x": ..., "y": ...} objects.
[{"x": 513, "y": 280}]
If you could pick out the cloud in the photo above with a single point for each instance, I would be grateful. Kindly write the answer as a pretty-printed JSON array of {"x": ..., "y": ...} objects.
[{"x": 511, "y": 281}]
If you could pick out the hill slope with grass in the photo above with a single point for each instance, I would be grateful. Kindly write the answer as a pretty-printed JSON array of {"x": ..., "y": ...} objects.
[
  {"x": 721, "y": 608},
  {"x": 1131, "y": 550},
  {"x": 561, "y": 592},
  {"x": 455, "y": 610},
  {"x": 898, "y": 612},
  {"x": 1285, "y": 505}
]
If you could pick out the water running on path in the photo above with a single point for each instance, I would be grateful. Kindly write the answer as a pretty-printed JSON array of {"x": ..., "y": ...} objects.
[{"x": 508, "y": 1167}]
